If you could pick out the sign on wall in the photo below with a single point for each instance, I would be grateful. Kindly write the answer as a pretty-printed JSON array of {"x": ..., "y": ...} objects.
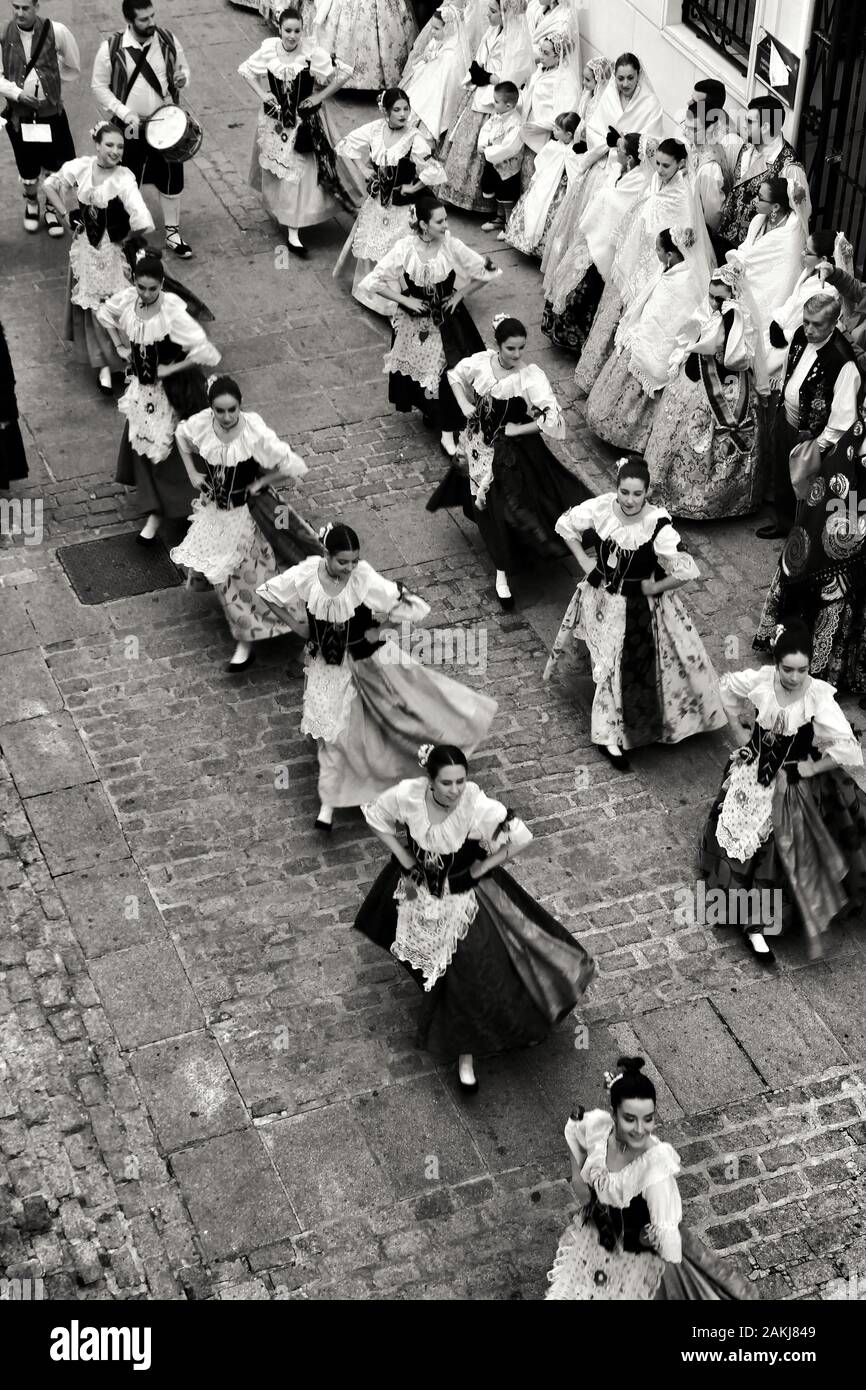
[{"x": 777, "y": 67}]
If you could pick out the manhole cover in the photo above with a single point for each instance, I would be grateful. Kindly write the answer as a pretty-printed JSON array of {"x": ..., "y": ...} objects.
[{"x": 117, "y": 567}]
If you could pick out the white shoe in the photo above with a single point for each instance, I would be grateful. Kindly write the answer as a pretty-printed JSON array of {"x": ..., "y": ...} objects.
[
  {"x": 54, "y": 225},
  {"x": 31, "y": 215}
]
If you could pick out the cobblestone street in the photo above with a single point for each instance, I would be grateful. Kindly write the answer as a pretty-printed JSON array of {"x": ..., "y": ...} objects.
[{"x": 208, "y": 1083}]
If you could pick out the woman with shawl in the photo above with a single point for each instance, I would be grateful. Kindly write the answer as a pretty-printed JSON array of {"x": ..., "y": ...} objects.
[
  {"x": 821, "y": 246},
  {"x": 772, "y": 254},
  {"x": 553, "y": 88},
  {"x": 372, "y": 36},
  {"x": 588, "y": 141},
  {"x": 529, "y": 224},
  {"x": 669, "y": 202},
  {"x": 505, "y": 53},
  {"x": 706, "y": 450},
  {"x": 434, "y": 72},
  {"x": 628, "y": 102},
  {"x": 574, "y": 286},
  {"x": 622, "y": 404}
]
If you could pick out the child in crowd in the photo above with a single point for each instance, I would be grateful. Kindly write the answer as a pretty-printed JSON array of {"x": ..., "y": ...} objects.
[
  {"x": 555, "y": 167},
  {"x": 501, "y": 146}
]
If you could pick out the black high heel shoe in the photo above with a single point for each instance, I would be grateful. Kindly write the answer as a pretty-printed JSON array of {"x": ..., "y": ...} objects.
[
  {"x": 620, "y": 762},
  {"x": 235, "y": 667},
  {"x": 762, "y": 957}
]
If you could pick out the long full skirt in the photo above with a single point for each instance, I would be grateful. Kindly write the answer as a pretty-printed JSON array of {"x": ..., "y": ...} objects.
[
  {"x": 660, "y": 686},
  {"x": 515, "y": 229},
  {"x": 618, "y": 408},
  {"x": 514, "y": 976},
  {"x": 376, "y": 230},
  {"x": 530, "y": 491},
  {"x": 814, "y": 853},
  {"x": 95, "y": 274},
  {"x": 837, "y": 620},
  {"x": 599, "y": 344},
  {"x": 162, "y": 487},
  {"x": 584, "y": 1271},
  {"x": 463, "y": 164},
  {"x": 701, "y": 468},
  {"x": 417, "y": 366},
  {"x": 570, "y": 327},
  {"x": 397, "y": 705},
  {"x": 373, "y": 35}
]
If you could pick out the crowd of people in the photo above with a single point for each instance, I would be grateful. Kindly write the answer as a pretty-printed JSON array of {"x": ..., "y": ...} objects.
[{"x": 716, "y": 337}]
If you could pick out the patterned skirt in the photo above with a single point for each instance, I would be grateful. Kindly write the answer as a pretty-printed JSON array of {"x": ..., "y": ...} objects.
[
  {"x": 570, "y": 328},
  {"x": 464, "y": 165},
  {"x": 515, "y": 231},
  {"x": 599, "y": 344},
  {"x": 585, "y": 1271},
  {"x": 618, "y": 409},
  {"x": 836, "y": 619}
]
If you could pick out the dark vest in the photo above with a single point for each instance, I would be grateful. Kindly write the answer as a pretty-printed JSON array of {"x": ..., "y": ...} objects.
[
  {"x": 47, "y": 67},
  {"x": 816, "y": 392},
  {"x": 738, "y": 211},
  {"x": 119, "y": 76}
]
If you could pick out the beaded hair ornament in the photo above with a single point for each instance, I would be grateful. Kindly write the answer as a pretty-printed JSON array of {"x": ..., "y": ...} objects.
[
  {"x": 683, "y": 238},
  {"x": 424, "y": 753},
  {"x": 325, "y": 531},
  {"x": 100, "y": 128}
]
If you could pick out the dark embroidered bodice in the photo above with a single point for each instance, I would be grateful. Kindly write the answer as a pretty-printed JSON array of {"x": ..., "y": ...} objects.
[
  {"x": 434, "y": 296},
  {"x": 774, "y": 751},
  {"x": 145, "y": 358},
  {"x": 493, "y": 414},
  {"x": 387, "y": 179},
  {"x": 113, "y": 219},
  {"x": 227, "y": 487},
  {"x": 619, "y": 1227},
  {"x": 451, "y": 869},
  {"x": 333, "y": 641},
  {"x": 622, "y": 571},
  {"x": 289, "y": 94}
]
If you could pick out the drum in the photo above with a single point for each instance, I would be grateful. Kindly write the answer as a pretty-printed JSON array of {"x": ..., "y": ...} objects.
[{"x": 174, "y": 133}]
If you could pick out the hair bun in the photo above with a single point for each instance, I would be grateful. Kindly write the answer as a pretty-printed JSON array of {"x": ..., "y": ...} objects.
[{"x": 630, "y": 1064}]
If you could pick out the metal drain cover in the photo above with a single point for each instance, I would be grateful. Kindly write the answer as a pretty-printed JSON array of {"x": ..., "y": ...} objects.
[{"x": 117, "y": 567}]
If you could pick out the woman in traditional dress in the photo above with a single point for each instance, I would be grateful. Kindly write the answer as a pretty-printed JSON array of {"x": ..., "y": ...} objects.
[
  {"x": 668, "y": 202},
  {"x": 627, "y": 1241},
  {"x": 232, "y": 457},
  {"x": 547, "y": 18},
  {"x": 504, "y": 54},
  {"x": 574, "y": 285},
  {"x": 110, "y": 206},
  {"x": 373, "y": 36},
  {"x": 706, "y": 451},
  {"x": 772, "y": 253},
  {"x": 432, "y": 328},
  {"x": 434, "y": 72},
  {"x": 787, "y": 317},
  {"x": 166, "y": 349},
  {"x": 366, "y": 701},
  {"x": 588, "y": 140},
  {"x": 293, "y": 162},
  {"x": 13, "y": 460},
  {"x": 706, "y": 163},
  {"x": 622, "y": 405},
  {"x": 513, "y": 487},
  {"x": 553, "y": 89},
  {"x": 497, "y": 970},
  {"x": 821, "y": 576},
  {"x": 627, "y": 103},
  {"x": 789, "y": 818},
  {"x": 654, "y": 682},
  {"x": 556, "y": 167},
  {"x": 398, "y": 163}
]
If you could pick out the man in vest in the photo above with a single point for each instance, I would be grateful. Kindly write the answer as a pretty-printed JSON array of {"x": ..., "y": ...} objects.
[
  {"x": 36, "y": 56},
  {"x": 764, "y": 154},
  {"x": 135, "y": 72},
  {"x": 818, "y": 401}
]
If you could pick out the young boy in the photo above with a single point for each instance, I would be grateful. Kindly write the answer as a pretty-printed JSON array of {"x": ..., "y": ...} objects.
[{"x": 501, "y": 146}]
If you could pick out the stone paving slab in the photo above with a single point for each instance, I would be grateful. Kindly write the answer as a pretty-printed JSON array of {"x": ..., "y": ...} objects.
[
  {"x": 76, "y": 828},
  {"x": 780, "y": 1031},
  {"x": 110, "y": 907},
  {"x": 46, "y": 754},
  {"x": 836, "y": 993},
  {"x": 17, "y": 633},
  {"x": 697, "y": 1055},
  {"x": 26, "y": 688},
  {"x": 234, "y": 1195},
  {"x": 145, "y": 993},
  {"x": 414, "y": 1130},
  {"x": 326, "y": 1164},
  {"x": 189, "y": 1090}
]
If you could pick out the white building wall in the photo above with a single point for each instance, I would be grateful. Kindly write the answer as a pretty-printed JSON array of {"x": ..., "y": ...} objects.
[{"x": 675, "y": 57}]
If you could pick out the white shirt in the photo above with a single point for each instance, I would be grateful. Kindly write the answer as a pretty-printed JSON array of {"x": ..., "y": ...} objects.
[
  {"x": 68, "y": 61},
  {"x": 760, "y": 157},
  {"x": 843, "y": 411},
  {"x": 143, "y": 100}
]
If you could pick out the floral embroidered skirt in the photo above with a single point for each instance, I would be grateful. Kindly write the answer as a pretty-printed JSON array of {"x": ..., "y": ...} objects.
[
  {"x": 394, "y": 705},
  {"x": 515, "y": 974},
  {"x": 700, "y": 468},
  {"x": 375, "y": 36},
  {"x": 657, "y": 686},
  {"x": 599, "y": 344},
  {"x": 805, "y": 839},
  {"x": 515, "y": 230},
  {"x": 836, "y": 614},
  {"x": 463, "y": 163},
  {"x": 570, "y": 327},
  {"x": 586, "y": 1272},
  {"x": 618, "y": 409}
]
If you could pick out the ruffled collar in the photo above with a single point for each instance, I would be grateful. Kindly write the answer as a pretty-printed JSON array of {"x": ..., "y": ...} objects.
[
  {"x": 447, "y": 836},
  {"x": 280, "y": 62},
  {"x": 816, "y": 694},
  {"x": 627, "y": 535},
  {"x": 390, "y": 154},
  {"x": 151, "y": 330},
  {"x": 487, "y": 383},
  {"x": 426, "y": 270},
  {"x": 225, "y": 453},
  {"x": 332, "y": 608},
  {"x": 659, "y": 1160},
  {"x": 99, "y": 195}
]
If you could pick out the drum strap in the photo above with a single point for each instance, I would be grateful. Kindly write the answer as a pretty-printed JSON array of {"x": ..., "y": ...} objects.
[{"x": 143, "y": 69}]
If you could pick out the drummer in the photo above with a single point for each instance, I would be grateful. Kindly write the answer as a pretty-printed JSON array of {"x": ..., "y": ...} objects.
[{"x": 135, "y": 72}]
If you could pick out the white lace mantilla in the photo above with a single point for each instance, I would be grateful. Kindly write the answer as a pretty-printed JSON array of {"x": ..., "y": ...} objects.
[
  {"x": 152, "y": 420},
  {"x": 429, "y": 929},
  {"x": 746, "y": 818},
  {"x": 328, "y": 695},
  {"x": 217, "y": 542}
]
